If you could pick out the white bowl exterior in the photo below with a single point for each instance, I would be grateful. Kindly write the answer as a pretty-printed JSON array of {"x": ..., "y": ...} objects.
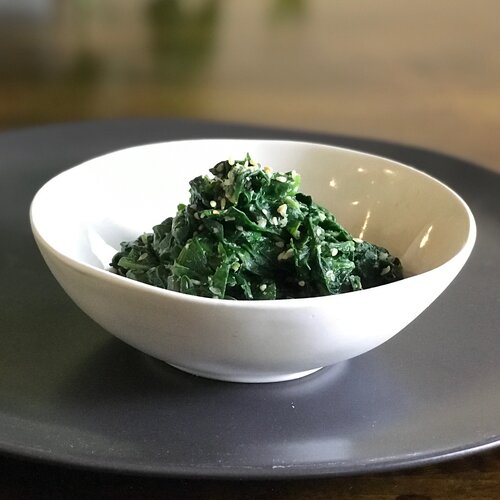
[{"x": 252, "y": 341}]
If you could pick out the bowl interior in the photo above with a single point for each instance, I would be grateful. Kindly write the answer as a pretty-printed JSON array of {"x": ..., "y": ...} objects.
[{"x": 85, "y": 212}]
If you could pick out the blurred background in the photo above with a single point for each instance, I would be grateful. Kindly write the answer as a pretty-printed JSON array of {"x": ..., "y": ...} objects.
[{"x": 423, "y": 73}]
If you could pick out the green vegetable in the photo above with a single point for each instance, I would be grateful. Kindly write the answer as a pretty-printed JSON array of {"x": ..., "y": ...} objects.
[{"x": 247, "y": 233}]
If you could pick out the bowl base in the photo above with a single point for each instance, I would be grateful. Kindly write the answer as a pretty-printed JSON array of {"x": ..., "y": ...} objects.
[{"x": 244, "y": 378}]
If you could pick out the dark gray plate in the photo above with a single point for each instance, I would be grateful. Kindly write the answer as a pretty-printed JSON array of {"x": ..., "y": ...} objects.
[{"x": 70, "y": 393}]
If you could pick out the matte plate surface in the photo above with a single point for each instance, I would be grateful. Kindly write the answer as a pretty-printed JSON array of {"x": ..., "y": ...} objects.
[{"x": 71, "y": 393}]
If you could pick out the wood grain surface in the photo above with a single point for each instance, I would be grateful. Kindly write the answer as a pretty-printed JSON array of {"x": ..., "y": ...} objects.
[
  {"x": 422, "y": 73},
  {"x": 474, "y": 478}
]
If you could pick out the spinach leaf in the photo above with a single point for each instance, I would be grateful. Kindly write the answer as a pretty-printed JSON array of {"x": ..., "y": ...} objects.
[{"x": 247, "y": 233}]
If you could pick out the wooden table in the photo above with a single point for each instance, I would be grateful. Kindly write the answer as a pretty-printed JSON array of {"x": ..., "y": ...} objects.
[{"x": 421, "y": 73}]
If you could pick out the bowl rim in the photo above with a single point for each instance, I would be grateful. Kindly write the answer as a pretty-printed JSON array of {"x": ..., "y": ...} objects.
[{"x": 113, "y": 278}]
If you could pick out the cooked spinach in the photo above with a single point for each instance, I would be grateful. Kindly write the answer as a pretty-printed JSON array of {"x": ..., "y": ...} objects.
[{"x": 247, "y": 233}]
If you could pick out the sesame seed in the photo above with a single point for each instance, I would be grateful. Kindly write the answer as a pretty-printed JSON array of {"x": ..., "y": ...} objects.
[
  {"x": 286, "y": 254},
  {"x": 301, "y": 283},
  {"x": 223, "y": 203},
  {"x": 268, "y": 170},
  {"x": 239, "y": 228},
  {"x": 274, "y": 221},
  {"x": 280, "y": 244},
  {"x": 196, "y": 215},
  {"x": 213, "y": 203},
  {"x": 321, "y": 216},
  {"x": 253, "y": 162},
  {"x": 195, "y": 282},
  {"x": 284, "y": 221},
  {"x": 230, "y": 161},
  {"x": 236, "y": 266},
  {"x": 200, "y": 227},
  {"x": 229, "y": 219},
  {"x": 143, "y": 256},
  {"x": 357, "y": 240},
  {"x": 215, "y": 212},
  {"x": 262, "y": 287},
  {"x": 281, "y": 178},
  {"x": 329, "y": 274},
  {"x": 282, "y": 209},
  {"x": 385, "y": 270},
  {"x": 334, "y": 251},
  {"x": 262, "y": 222}
]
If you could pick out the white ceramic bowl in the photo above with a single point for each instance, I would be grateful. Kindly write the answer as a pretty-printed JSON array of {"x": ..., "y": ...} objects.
[{"x": 80, "y": 217}]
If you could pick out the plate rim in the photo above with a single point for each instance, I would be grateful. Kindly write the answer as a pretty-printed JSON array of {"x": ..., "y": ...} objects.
[{"x": 320, "y": 469}]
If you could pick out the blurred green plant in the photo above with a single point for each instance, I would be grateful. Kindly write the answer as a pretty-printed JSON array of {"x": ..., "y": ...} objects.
[{"x": 182, "y": 36}]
